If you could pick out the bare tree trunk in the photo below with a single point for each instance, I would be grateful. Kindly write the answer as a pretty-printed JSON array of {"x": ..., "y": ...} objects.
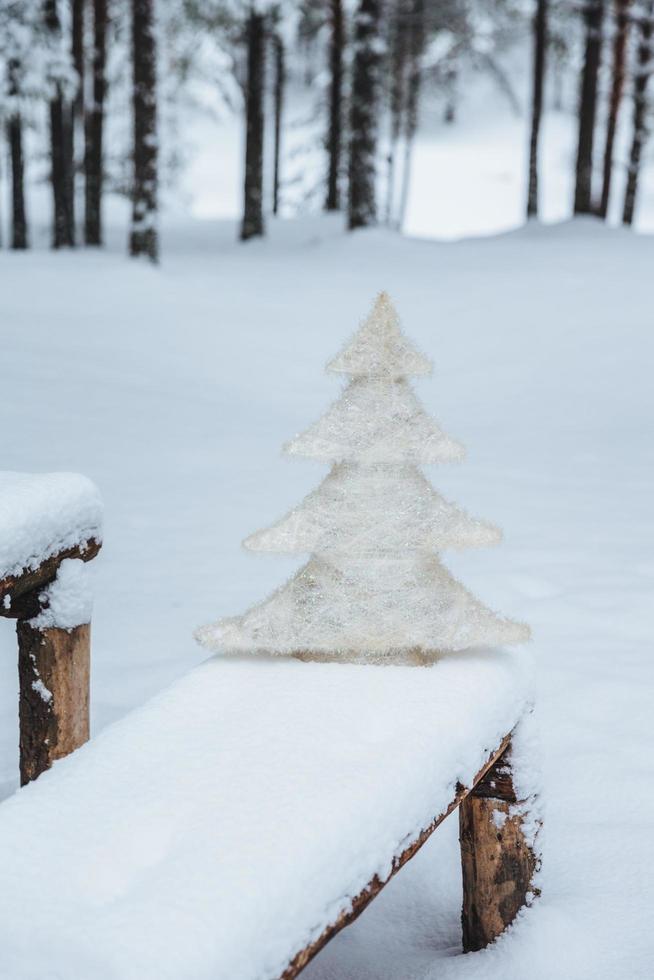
[
  {"x": 362, "y": 205},
  {"x": 75, "y": 127},
  {"x": 280, "y": 82},
  {"x": 540, "y": 50},
  {"x": 15, "y": 137},
  {"x": 398, "y": 84},
  {"x": 639, "y": 138},
  {"x": 93, "y": 130},
  {"x": 335, "y": 132},
  {"x": 617, "y": 86},
  {"x": 63, "y": 226},
  {"x": 451, "y": 79},
  {"x": 416, "y": 48},
  {"x": 252, "y": 225},
  {"x": 143, "y": 234},
  {"x": 593, "y": 16}
]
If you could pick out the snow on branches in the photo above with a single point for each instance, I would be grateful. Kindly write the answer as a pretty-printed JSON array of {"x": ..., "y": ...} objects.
[{"x": 374, "y": 588}]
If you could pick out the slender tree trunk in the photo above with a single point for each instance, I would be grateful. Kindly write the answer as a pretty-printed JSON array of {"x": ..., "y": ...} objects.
[
  {"x": 451, "y": 79},
  {"x": 643, "y": 71},
  {"x": 593, "y": 16},
  {"x": 15, "y": 137},
  {"x": 75, "y": 127},
  {"x": 335, "y": 132},
  {"x": 416, "y": 48},
  {"x": 63, "y": 225},
  {"x": 540, "y": 49},
  {"x": 18, "y": 216},
  {"x": 617, "y": 86},
  {"x": 398, "y": 84},
  {"x": 143, "y": 235},
  {"x": 252, "y": 225},
  {"x": 93, "y": 130},
  {"x": 362, "y": 206},
  {"x": 280, "y": 82}
]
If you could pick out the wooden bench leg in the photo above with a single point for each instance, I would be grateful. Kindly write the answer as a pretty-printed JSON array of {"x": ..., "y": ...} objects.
[
  {"x": 497, "y": 861},
  {"x": 54, "y": 672}
]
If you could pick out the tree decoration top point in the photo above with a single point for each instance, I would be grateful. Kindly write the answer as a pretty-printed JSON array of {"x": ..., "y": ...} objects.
[{"x": 379, "y": 349}]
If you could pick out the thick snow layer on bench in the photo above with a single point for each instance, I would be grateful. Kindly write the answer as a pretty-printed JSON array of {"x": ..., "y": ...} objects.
[
  {"x": 42, "y": 514},
  {"x": 219, "y": 829}
]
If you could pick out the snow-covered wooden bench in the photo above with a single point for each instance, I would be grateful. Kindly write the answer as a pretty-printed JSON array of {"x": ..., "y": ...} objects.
[
  {"x": 49, "y": 524},
  {"x": 230, "y": 827}
]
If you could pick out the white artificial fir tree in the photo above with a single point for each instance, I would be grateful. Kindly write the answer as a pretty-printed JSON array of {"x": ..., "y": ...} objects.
[{"x": 374, "y": 588}]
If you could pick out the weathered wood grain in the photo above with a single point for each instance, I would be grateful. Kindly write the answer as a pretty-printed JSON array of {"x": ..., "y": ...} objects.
[
  {"x": 497, "y": 862},
  {"x": 54, "y": 674}
]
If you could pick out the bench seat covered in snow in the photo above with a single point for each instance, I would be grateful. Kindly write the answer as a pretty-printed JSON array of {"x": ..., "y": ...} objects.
[{"x": 224, "y": 830}]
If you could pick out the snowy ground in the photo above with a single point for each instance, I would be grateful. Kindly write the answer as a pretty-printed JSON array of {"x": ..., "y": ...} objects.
[{"x": 173, "y": 388}]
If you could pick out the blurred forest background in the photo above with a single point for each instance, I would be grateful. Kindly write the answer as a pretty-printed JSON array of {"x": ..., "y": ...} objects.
[{"x": 109, "y": 101}]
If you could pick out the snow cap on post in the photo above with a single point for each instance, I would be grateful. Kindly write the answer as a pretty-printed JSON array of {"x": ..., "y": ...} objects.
[{"x": 379, "y": 349}]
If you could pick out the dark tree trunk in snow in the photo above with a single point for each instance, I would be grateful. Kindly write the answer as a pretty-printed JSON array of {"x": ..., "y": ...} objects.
[
  {"x": 362, "y": 209},
  {"x": 617, "y": 86},
  {"x": 639, "y": 138},
  {"x": 75, "y": 127},
  {"x": 15, "y": 137},
  {"x": 143, "y": 235},
  {"x": 540, "y": 49},
  {"x": 417, "y": 38},
  {"x": 63, "y": 226},
  {"x": 280, "y": 81},
  {"x": 18, "y": 217},
  {"x": 252, "y": 224},
  {"x": 335, "y": 132},
  {"x": 593, "y": 16},
  {"x": 93, "y": 130}
]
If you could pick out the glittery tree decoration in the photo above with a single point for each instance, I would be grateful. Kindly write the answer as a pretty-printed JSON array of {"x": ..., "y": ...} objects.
[{"x": 374, "y": 588}]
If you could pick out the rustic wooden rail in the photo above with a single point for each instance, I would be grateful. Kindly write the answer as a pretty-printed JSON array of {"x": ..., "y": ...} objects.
[
  {"x": 498, "y": 863},
  {"x": 53, "y": 667}
]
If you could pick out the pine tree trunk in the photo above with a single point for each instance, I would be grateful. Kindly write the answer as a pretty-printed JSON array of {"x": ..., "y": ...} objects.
[
  {"x": 417, "y": 37},
  {"x": 252, "y": 224},
  {"x": 18, "y": 217},
  {"x": 143, "y": 235},
  {"x": 94, "y": 125},
  {"x": 63, "y": 225},
  {"x": 280, "y": 81},
  {"x": 335, "y": 132},
  {"x": 540, "y": 49},
  {"x": 362, "y": 206},
  {"x": 593, "y": 16},
  {"x": 397, "y": 98},
  {"x": 617, "y": 86},
  {"x": 639, "y": 137},
  {"x": 15, "y": 138},
  {"x": 451, "y": 79},
  {"x": 75, "y": 126}
]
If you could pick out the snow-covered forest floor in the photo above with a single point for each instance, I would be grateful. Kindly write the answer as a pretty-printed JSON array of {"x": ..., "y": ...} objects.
[{"x": 173, "y": 389}]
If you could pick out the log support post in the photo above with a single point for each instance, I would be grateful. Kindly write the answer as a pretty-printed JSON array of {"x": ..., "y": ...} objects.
[
  {"x": 54, "y": 672},
  {"x": 498, "y": 861},
  {"x": 53, "y": 667}
]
